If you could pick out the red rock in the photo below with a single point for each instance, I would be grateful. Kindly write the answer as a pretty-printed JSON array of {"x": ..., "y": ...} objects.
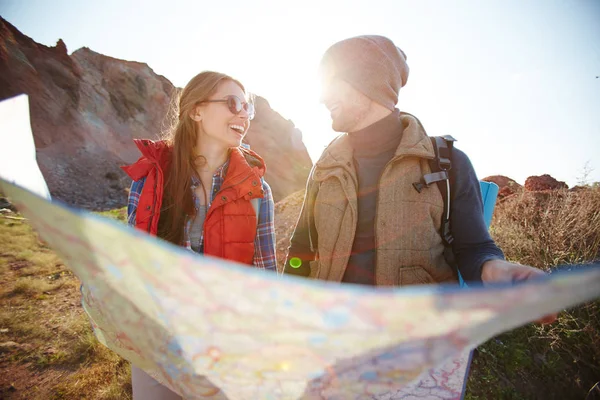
[
  {"x": 507, "y": 185},
  {"x": 501, "y": 181},
  {"x": 580, "y": 188},
  {"x": 505, "y": 192},
  {"x": 280, "y": 144},
  {"x": 543, "y": 182}
]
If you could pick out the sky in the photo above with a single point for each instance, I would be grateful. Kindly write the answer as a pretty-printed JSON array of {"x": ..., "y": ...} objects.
[{"x": 514, "y": 81}]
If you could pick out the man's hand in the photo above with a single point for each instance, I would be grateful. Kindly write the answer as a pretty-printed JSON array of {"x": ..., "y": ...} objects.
[{"x": 504, "y": 271}]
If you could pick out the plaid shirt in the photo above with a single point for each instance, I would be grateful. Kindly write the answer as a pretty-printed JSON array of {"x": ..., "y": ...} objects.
[{"x": 264, "y": 244}]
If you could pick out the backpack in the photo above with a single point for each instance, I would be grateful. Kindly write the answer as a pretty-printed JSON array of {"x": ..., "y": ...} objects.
[{"x": 440, "y": 166}]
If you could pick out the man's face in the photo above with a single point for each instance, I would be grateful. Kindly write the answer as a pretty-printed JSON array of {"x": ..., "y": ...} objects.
[{"x": 348, "y": 106}]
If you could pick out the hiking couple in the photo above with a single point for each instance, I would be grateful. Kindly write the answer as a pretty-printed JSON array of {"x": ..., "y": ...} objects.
[{"x": 374, "y": 211}]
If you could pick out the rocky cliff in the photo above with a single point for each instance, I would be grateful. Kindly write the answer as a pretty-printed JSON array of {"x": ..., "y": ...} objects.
[{"x": 87, "y": 107}]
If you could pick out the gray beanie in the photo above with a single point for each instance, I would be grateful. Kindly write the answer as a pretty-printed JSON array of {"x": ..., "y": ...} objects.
[{"x": 372, "y": 64}]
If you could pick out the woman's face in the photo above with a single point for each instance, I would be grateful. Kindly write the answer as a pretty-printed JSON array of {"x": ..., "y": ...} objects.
[{"x": 218, "y": 123}]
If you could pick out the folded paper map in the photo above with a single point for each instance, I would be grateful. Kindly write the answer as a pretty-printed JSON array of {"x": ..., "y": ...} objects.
[{"x": 209, "y": 328}]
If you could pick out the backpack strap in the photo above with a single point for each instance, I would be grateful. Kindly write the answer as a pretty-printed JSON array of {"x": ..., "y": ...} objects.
[
  {"x": 440, "y": 166},
  {"x": 442, "y": 147}
]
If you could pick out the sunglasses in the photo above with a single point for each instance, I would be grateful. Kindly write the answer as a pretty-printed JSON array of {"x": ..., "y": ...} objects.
[{"x": 235, "y": 105}]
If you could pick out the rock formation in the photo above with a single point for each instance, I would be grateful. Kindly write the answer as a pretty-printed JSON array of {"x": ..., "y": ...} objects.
[
  {"x": 507, "y": 186},
  {"x": 87, "y": 107},
  {"x": 543, "y": 182},
  {"x": 279, "y": 142}
]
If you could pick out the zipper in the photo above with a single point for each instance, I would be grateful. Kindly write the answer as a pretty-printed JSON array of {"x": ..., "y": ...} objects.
[
  {"x": 154, "y": 197},
  {"x": 210, "y": 210},
  {"x": 346, "y": 171},
  {"x": 393, "y": 160},
  {"x": 237, "y": 183}
]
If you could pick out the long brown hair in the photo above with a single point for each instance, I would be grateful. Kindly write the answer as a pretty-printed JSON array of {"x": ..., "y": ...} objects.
[{"x": 182, "y": 137}]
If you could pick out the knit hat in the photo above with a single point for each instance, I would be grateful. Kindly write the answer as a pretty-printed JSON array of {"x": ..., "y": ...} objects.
[{"x": 372, "y": 64}]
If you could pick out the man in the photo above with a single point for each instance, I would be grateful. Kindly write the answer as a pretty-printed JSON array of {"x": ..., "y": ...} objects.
[{"x": 363, "y": 221}]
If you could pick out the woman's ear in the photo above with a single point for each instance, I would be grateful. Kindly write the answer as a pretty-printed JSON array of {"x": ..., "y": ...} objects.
[{"x": 196, "y": 115}]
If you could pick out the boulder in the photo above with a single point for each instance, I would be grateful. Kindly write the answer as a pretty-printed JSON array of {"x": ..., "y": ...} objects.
[
  {"x": 542, "y": 183},
  {"x": 507, "y": 186}
]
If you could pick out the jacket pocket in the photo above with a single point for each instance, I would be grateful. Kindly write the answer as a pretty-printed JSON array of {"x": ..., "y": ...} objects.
[{"x": 414, "y": 276}]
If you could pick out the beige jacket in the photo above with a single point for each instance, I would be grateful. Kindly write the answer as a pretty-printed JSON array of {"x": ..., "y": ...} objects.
[{"x": 409, "y": 247}]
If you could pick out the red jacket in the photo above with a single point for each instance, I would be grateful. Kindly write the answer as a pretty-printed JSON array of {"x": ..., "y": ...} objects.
[{"x": 230, "y": 224}]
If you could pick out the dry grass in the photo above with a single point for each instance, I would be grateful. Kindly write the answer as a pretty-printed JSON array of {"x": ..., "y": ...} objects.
[
  {"x": 545, "y": 229},
  {"x": 562, "y": 360},
  {"x": 47, "y": 348},
  {"x": 33, "y": 287}
]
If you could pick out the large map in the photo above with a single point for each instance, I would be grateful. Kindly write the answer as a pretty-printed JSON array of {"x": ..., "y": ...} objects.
[{"x": 209, "y": 328}]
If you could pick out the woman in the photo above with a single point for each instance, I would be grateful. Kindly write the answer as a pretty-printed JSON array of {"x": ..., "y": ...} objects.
[{"x": 200, "y": 188}]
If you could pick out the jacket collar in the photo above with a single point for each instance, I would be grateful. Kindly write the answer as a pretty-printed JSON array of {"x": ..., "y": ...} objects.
[
  {"x": 242, "y": 174},
  {"x": 242, "y": 161},
  {"x": 153, "y": 153},
  {"x": 242, "y": 164},
  {"x": 414, "y": 142},
  {"x": 153, "y": 150}
]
